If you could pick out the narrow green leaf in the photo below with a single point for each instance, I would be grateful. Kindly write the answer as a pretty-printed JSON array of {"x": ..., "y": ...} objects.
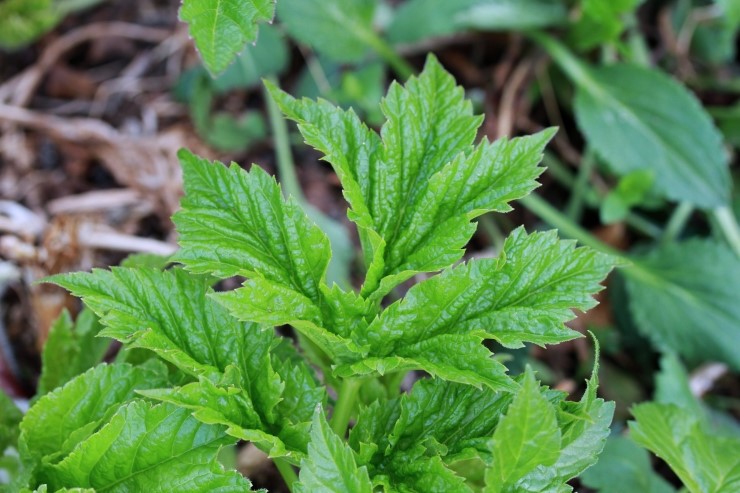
[
  {"x": 338, "y": 29},
  {"x": 638, "y": 118},
  {"x": 155, "y": 449},
  {"x": 330, "y": 465},
  {"x": 527, "y": 437},
  {"x": 624, "y": 466},
  {"x": 705, "y": 463},
  {"x": 58, "y": 421},
  {"x": 70, "y": 349},
  {"x": 683, "y": 297},
  {"x": 222, "y": 28}
]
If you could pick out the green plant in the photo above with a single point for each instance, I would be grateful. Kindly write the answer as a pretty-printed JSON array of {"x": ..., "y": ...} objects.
[
  {"x": 22, "y": 21},
  {"x": 202, "y": 369}
]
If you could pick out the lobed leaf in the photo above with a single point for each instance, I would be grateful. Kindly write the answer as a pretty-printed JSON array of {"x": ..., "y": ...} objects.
[
  {"x": 638, "y": 118},
  {"x": 70, "y": 349},
  {"x": 683, "y": 297},
  {"x": 414, "y": 191},
  {"x": 330, "y": 465},
  {"x": 525, "y": 295},
  {"x": 61, "y": 419},
  {"x": 704, "y": 462},
  {"x": 222, "y": 28},
  {"x": 528, "y": 436},
  {"x": 150, "y": 448}
]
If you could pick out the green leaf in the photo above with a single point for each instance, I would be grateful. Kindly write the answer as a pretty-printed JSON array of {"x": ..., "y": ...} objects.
[
  {"x": 268, "y": 57},
  {"x": 414, "y": 193},
  {"x": 525, "y": 295},
  {"x": 169, "y": 313},
  {"x": 222, "y": 28},
  {"x": 408, "y": 441},
  {"x": 331, "y": 464},
  {"x": 156, "y": 449},
  {"x": 638, "y": 118},
  {"x": 705, "y": 463},
  {"x": 683, "y": 297},
  {"x": 417, "y": 20},
  {"x": 338, "y": 29},
  {"x": 600, "y": 22},
  {"x": 527, "y": 437},
  {"x": 70, "y": 349},
  {"x": 624, "y": 466},
  {"x": 631, "y": 190},
  {"x": 60, "y": 420},
  {"x": 234, "y": 222},
  {"x": 22, "y": 21},
  {"x": 10, "y": 417}
]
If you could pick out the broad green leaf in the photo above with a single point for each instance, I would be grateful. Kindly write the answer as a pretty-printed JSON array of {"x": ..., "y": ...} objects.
[
  {"x": 225, "y": 403},
  {"x": 672, "y": 386},
  {"x": 234, "y": 222},
  {"x": 525, "y": 295},
  {"x": 683, "y": 296},
  {"x": 155, "y": 449},
  {"x": 61, "y": 419},
  {"x": 10, "y": 417},
  {"x": 169, "y": 313},
  {"x": 330, "y": 465},
  {"x": 70, "y": 349},
  {"x": 526, "y": 437},
  {"x": 414, "y": 192},
  {"x": 45, "y": 489},
  {"x": 624, "y": 466},
  {"x": 417, "y": 20},
  {"x": 222, "y": 28},
  {"x": 706, "y": 463},
  {"x": 637, "y": 118},
  {"x": 339, "y": 29},
  {"x": 408, "y": 442}
]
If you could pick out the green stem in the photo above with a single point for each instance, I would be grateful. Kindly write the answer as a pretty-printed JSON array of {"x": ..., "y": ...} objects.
[
  {"x": 285, "y": 163},
  {"x": 492, "y": 231},
  {"x": 346, "y": 401},
  {"x": 576, "y": 70},
  {"x": 728, "y": 224},
  {"x": 286, "y": 471},
  {"x": 581, "y": 187},
  {"x": 563, "y": 176},
  {"x": 387, "y": 53},
  {"x": 555, "y": 218},
  {"x": 677, "y": 222}
]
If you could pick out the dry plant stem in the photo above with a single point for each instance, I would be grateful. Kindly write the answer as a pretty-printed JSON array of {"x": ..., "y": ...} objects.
[
  {"x": 19, "y": 90},
  {"x": 513, "y": 88},
  {"x": 703, "y": 378},
  {"x": 104, "y": 239},
  {"x": 94, "y": 201}
]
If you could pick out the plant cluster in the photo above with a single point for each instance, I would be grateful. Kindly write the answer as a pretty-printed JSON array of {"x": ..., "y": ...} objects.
[{"x": 202, "y": 369}]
